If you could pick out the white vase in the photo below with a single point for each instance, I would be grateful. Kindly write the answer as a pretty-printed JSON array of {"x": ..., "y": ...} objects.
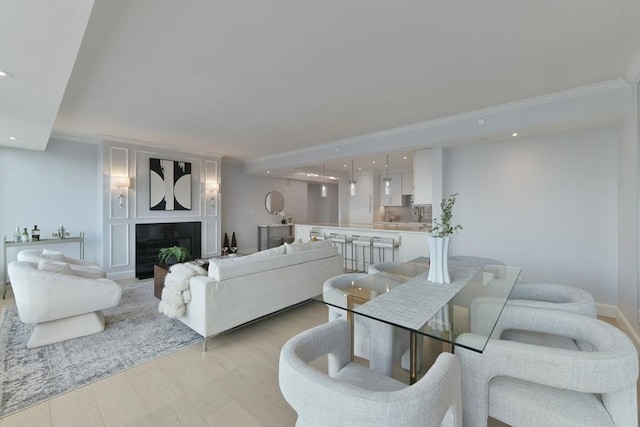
[{"x": 439, "y": 260}]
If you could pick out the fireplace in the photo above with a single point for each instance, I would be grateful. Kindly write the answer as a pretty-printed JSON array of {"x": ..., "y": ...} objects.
[{"x": 151, "y": 237}]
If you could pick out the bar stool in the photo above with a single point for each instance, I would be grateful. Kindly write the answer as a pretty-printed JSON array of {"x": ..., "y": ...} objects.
[
  {"x": 343, "y": 240},
  {"x": 366, "y": 243},
  {"x": 382, "y": 243}
]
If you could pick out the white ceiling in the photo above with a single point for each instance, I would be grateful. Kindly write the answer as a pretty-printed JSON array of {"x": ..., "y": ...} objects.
[{"x": 249, "y": 79}]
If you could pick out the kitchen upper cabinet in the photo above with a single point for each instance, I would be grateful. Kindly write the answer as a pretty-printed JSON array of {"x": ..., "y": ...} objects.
[
  {"x": 395, "y": 198},
  {"x": 407, "y": 183},
  {"x": 367, "y": 198},
  {"x": 423, "y": 177}
]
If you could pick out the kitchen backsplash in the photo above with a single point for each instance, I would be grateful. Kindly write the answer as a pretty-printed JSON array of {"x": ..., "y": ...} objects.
[{"x": 417, "y": 213}]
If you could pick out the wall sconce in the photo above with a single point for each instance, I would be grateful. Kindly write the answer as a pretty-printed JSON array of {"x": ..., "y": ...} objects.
[
  {"x": 213, "y": 188},
  {"x": 120, "y": 182}
]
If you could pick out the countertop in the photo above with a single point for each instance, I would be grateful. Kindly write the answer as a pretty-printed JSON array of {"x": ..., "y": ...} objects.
[{"x": 410, "y": 227}]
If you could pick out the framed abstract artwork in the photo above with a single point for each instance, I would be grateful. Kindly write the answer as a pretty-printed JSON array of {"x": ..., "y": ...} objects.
[{"x": 170, "y": 185}]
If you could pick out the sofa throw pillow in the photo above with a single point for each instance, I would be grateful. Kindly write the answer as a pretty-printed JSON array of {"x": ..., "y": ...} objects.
[
  {"x": 320, "y": 244},
  {"x": 53, "y": 255},
  {"x": 54, "y": 267},
  {"x": 280, "y": 250},
  {"x": 297, "y": 247}
]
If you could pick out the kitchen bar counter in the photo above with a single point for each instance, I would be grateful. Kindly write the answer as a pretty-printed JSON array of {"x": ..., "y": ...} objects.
[
  {"x": 411, "y": 243},
  {"x": 404, "y": 226},
  {"x": 416, "y": 227}
]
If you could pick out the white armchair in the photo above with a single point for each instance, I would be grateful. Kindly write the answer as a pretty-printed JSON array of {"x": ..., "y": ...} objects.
[
  {"x": 526, "y": 384},
  {"x": 79, "y": 267},
  {"x": 352, "y": 395},
  {"x": 63, "y": 306}
]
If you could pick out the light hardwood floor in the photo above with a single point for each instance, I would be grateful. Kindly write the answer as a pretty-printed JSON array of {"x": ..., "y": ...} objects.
[{"x": 234, "y": 383}]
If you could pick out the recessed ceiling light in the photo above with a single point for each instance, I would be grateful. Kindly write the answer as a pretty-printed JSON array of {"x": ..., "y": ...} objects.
[
  {"x": 404, "y": 158},
  {"x": 374, "y": 162},
  {"x": 344, "y": 166},
  {"x": 268, "y": 171},
  {"x": 481, "y": 122},
  {"x": 359, "y": 169},
  {"x": 4, "y": 73},
  {"x": 514, "y": 134},
  {"x": 12, "y": 138}
]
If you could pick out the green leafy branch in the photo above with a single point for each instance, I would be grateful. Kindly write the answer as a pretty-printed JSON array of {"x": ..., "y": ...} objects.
[
  {"x": 443, "y": 227},
  {"x": 180, "y": 253}
]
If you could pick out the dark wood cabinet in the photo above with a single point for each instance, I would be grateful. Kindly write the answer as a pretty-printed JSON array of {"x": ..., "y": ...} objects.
[{"x": 159, "y": 273}]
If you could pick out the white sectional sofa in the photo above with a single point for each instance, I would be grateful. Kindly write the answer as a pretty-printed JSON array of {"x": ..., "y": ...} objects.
[{"x": 242, "y": 289}]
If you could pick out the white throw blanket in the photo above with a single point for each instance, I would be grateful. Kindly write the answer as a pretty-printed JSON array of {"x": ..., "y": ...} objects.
[{"x": 176, "y": 294}]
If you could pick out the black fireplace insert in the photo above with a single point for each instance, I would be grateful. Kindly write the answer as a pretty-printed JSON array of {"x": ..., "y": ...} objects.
[{"x": 150, "y": 238}]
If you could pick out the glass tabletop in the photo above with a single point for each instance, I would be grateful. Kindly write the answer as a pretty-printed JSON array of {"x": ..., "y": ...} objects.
[{"x": 402, "y": 296}]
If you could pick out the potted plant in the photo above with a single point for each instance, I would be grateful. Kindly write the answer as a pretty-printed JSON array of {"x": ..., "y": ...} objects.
[
  {"x": 439, "y": 242},
  {"x": 173, "y": 255}
]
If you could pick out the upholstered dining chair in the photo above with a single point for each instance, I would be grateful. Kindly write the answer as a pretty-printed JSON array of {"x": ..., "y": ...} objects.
[
  {"x": 526, "y": 384},
  {"x": 544, "y": 296},
  {"x": 353, "y": 395},
  {"x": 382, "y": 266},
  {"x": 381, "y": 344},
  {"x": 554, "y": 296}
]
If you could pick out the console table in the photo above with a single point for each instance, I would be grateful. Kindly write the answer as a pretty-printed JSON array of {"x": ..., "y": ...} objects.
[
  {"x": 13, "y": 244},
  {"x": 270, "y": 229}
]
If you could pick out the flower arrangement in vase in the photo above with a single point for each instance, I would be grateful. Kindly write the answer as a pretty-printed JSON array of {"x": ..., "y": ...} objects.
[
  {"x": 283, "y": 214},
  {"x": 439, "y": 242}
]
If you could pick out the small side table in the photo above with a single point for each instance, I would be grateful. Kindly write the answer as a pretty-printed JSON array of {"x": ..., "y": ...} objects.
[
  {"x": 11, "y": 244},
  {"x": 159, "y": 274}
]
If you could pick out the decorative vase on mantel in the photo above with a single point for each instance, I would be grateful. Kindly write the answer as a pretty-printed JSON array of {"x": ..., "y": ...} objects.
[{"x": 438, "y": 259}]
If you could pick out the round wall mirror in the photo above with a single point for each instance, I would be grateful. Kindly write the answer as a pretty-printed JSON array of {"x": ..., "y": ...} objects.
[{"x": 274, "y": 202}]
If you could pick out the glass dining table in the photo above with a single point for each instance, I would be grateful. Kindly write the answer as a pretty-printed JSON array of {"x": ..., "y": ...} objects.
[{"x": 403, "y": 297}]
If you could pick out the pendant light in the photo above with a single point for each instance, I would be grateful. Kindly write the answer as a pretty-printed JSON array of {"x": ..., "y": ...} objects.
[
  {"x": 352, "y": 183},
  {"x": 324, "y": 185},
  {"x": 387, "y": 181}
]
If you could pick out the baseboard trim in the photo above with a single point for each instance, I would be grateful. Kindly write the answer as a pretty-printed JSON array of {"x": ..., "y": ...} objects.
[
  {"x": 626, "y": 327},
  {"x": 119, "y": 275},
  {"x": 607, "y": 310}
]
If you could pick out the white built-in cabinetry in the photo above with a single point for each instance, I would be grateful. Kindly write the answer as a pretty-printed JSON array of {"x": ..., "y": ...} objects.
[
  {"x": 395, "y": 198},
  {"x": 422, "y": 177},
  {"x": 401, "y": 185},
  {"x": 407, "y": 183},
  {"x": 367, "y": 197}
]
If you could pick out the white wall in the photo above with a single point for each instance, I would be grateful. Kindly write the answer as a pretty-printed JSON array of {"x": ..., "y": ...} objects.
[
  {"x": 628, "y": 215},
  {"x": 547, "y": 204},
  {"x": 49, "y": 188},
  {"x": 322, "y": 210},
  {"x": 242, "y": 201}
]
